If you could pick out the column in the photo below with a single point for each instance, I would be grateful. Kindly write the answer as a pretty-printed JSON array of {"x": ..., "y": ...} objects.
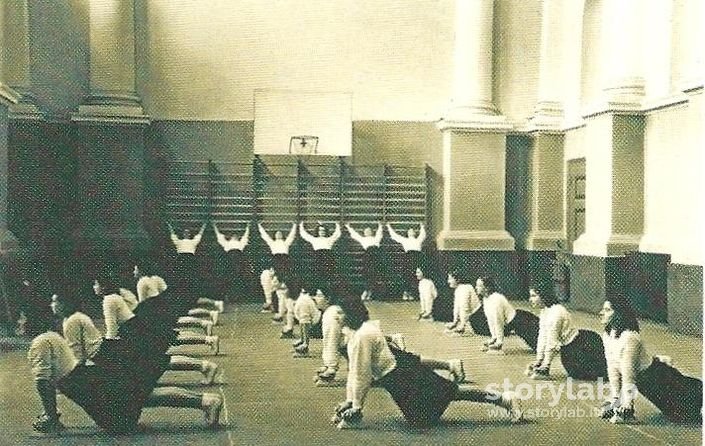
[
  {"x": 623, "y": 78},
  {"x": 548, "y": 113},
  {"x": 17, "y": 56},
  {"x": 473, "y": 233},
  {"x": 111, "y": 128},
  {"x": 113, "y": 96}
]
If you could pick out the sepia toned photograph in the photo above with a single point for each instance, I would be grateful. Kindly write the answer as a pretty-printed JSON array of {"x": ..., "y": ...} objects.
[{"x": 349, "y": 222}]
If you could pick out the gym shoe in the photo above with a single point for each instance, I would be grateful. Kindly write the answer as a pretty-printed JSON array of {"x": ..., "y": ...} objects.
[
  {"x": 301, "y": 352},
  {"x": 623, "y": 416},
  {"x": 512, "y": 404},
  {"x": 297, "y": 342},
  {"x": 215, "y": 317},
  {"x": 606, "y": 410},
  {"x": 220, "y": 305},
  {"x": 457, "y": 370},
  {"x": 210, "y": 369},
  {"x": 451, "y": 325},
  {"x": 46, "y": 424},
  {"x": 288, "y": 334},
  {"x": 346, "y": 424},
  {"x": 266, "y": 308},
  {"x": 398, "y": 340},
  {"x": 214, "y": 343},
  {"x": 328, "y": 375},
  {"x": 212, "y": 404},
  {"x": 540, "y": 374}
]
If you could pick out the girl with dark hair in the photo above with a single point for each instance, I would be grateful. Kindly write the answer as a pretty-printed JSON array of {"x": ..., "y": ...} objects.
[
  {"x": 413, "y": 256},
  {"x": 503, "y": 319},
  {"x": 370, "y": 258},
  {"x": 237, "y": 275},
  {"x": 279, "y": 247},
  {"x": 323, "y": 268},
  {"x": 582, "y": 352},
  {"x": 631, "y": 368},
  {"x": 466, "y": 307},
  {"x": 420, "y": 393}
]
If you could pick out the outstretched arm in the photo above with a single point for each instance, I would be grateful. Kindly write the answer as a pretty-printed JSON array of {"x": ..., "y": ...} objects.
[
  {"x": 197, "y": 238},
  {"x": 422, "y": 233},
  {"x": 245, "y": 239},
  {"x": 264, "y": 235},
  {"x": 336, "y": 234},
  {"x": 292, "y": 235},
  {"x": 172, "y": 234},
  {"x": 379, "y": 233},
  {"x": 353, "y": 233},
  {"x": 218, "y": 235},
  {"x": 393, "y": 234},
  {"x": 305, "y": 235}
]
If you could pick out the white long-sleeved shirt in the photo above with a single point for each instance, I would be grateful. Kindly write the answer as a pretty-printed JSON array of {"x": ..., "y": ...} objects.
[
  {"x": 555, "y": 330},
  {"x": 82, "y": 336},
  {"x": 408, "y": 243},
  {"x": 232, "y": 243},
  {"x": 366, "y": 241},
  {"x": 320, "y": 243},
  {"x": 499, "y": 312},
  {"x": 465, "y": 296},
  {"x": 115, "y": 312},
  {"x": 306, "y": 310},
  {"x": 369, "y": 359},
  {"x": 129, "y": 298},
  {"x": 626, "y": 356},
  {"x": 427, "y": 289},
  {"x": 332, "y": 329},
  {"x": 278, "y": 246},
  {"x": 187, "y": 245},
  {"x": 50, "y": 357},
  {"x": 150, "y": 286}
]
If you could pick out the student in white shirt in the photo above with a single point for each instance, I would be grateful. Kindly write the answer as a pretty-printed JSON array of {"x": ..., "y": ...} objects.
[
  {"x": 236, "y": 277},
  {"x": 413, "y": 256},
  {"x": 371, "y": 263},
  {"x": 112, "y": 391},
  {"x": 268, "y": 289},
  {"x": 323, "y": 268},
  {"x": 186, "y": 244},
  {"x": 116, "y": 313},
  {"x": 420, "y": 393},
  {"x": 286, "y": 288},
  {"x": 85, "y": 340},
  {"x": 581, "y": 351},
  {"x": 503, "y": 319},
  {"x": 332, "y": 332},
  {"x": 632, "y": 370},
  {"x": 279, "y": 247},
  {"x": 466, "y": 306},
  {"x": 308, "y": 314},
  {"x": 427, "y": 294}
]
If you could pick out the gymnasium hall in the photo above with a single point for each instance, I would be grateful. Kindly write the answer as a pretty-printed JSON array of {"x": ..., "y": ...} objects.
[{"x": 308, "y": 222}]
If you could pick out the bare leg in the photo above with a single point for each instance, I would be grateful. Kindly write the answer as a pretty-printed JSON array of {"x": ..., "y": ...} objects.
[
  {"x": 174, "y": 397},
  {"x": 436, "y": 364},
  {"x": 506, "y": 400},
  {"x": 216, "y": 304}
]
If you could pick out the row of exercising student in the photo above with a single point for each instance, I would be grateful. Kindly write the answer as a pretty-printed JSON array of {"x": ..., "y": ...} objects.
[
  {"x": 324, "y": 262},
  {"x": 113, "y": 377},
  {"x": 619, "y": 354}
]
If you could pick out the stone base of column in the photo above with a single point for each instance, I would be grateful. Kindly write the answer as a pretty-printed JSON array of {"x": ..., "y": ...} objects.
[
  {"x": 502, "y": 265},
  {"x": 685, "y": 298},
  {"x": 26, "y": 107},
  {"x": 548, "y": 117},
  {"x": 593, "y": 278},
  {"x": 614, "y": 245},
  {"x": 111, "y": 107},
  {"x": 539, "y": 240},
  {"x": 452, "y": 240},
  {"x": 479, "y": 117}
]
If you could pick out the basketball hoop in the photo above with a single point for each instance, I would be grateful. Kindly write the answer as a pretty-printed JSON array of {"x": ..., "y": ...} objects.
[{"x": 303, "y": 145}]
